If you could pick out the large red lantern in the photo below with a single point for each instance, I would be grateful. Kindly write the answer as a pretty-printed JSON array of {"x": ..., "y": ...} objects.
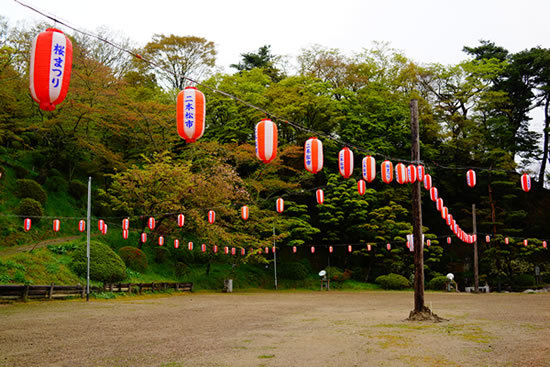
[
  {"x": 27, "y": 224},
  {"x": 525, "y": 182},
  {"x": 211, "y": 216},
  {"x": 433, "y": 193},
  {"x": 400, "y": 173},
  {"x": 143, "y": 237},
  {"x": 280, "y": 205},
  {"x": 427, "y": 182},
  {"x": 176, "y": 243},
  {"x": 345, "y": 162},
  {"x": 56, "y": 225},
  {"x": 313, "y": 155},
  {"x": 82, "y": 225},
  {"x": 190, "y": 113},
  {"x": 50, "y": 68},
  {"x": 125, "y": 234},
  {"x": 439, "y": 204},
  {"x": 411, "y": 173},
  {"x": 161, "y": 241},
  {"x": 320, "y": 196},
  {"x": 361, "y": 187},
  {"x": 244, "y": 212},
  {"x": 420, "y": 172},
  {"x": 125, "y": 223},
  {"x": 181, "y": 220},
  {"x": 386, "y": 170},
  {"x": 471, "y": 178},
  {"x": 151, "y": 223},
  {"x": 266, "y": 140},
  {"x": 369, "y": 168}
]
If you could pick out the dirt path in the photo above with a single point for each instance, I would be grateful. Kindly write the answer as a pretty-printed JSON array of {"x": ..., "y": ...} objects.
[
  {"x": 52, "y": 241},
  {"x": 278, "y": 329}
]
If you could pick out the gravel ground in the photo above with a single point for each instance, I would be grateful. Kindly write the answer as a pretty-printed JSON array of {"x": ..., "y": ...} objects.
[{"x": 278, "y": 329}]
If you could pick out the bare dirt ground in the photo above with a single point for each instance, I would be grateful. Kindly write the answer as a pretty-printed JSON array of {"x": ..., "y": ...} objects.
[{"x": 278, "y": 329}]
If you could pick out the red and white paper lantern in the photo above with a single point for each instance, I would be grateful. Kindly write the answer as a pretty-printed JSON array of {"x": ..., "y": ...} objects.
[
  {"x": 190, "y": 114},
  {"x": 125, "y": 223},
  {"x": 50, "y": 68},
  {"x": 345, "y": 162},
  {"x": 294, "y": 249},
  {"x": 104, "y": 231},
  {"x": 444, "y": 212},
  {"x": 243, "y": 252},
  {"x": 439, "y": 204},
  {"x": 244, "y": 212},
  {"x": 544, "y": 244},
  {"x": 449, "y": 240},
  {"x": 100, "y": 224},
  {"x": 428, "y": 243},
  {"x": 151, "y": 223},
  {"x": 361, "y": 187},
  {"x": 266, "y": 140},
  {"x": 320, "y": 196},
  {"x": 81, "y": 225},
  {"x": 190, "y": 246},
  {"x": 280, "y": 205},
  {"x": 471, "y": 178},
  {"x": 176, "y": 243},
  {"x": 125, "y": 234},
  {"x": 330, "y": 249},
  {"x": 349, "y": 248},
  {"x": 203, "y": 247},
  {"x": 525, "y": 242},
  {"x": 313, "y": 155},
  {"x": 427, "y": 182},
  {"x": 487, "y": 239},
  {"x": 525, "y": 182},
  {"x": 215, "y": 249},
  {"x": 388, "y": 246},
  {"x": 420, "y": 173},
  {"x": 211, "y": 216},
  {"x": 386, "y": 171},
  {"x": 233, "y": 251},
  {"x": 506, "y": 240},
  {"x": 400, "y": 173},
  {"x": 27, "y": 224},
  {"x": 56, "y": 225},
  {"x": 161, "y": 241},
  {"x": 369, "y": 168},
  {"x": 312, "y": 249},
  {"x": 433, "y": 194},
  {"x": 181, "y": 220},
  {"x": 143, "y": 237}
]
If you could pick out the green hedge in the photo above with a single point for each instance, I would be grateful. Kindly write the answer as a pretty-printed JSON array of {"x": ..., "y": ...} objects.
[
  {"x": 134, "y": 258},
  {"x": 30, "y": 207},
  {"x": 105, "y": 264},
  {"x": 437, "y": 283},
  {"x": 393, "y": 281},
  {"x": 293, "y": 271},
  {"x": 27, "y": 188}
]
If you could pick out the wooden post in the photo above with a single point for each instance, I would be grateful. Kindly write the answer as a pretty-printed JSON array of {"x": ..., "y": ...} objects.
[
  {"x": 50, "y": 293},
  {"x": 476, "y": 268},
  {"x": 417, "y": 213},
  {"x": 25, "y": 292},
  {"x": 139, "y": 285},
  {"x": 83, "y": 293}
]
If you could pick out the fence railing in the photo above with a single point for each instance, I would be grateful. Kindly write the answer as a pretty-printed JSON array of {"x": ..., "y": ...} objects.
[{"x": 24, "y": 292}]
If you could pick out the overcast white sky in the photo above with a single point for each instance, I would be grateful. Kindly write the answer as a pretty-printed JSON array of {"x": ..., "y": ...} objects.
[{"x": 425, "y": 30}]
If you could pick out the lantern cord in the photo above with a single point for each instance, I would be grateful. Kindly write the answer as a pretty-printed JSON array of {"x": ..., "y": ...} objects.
[{"x": 250, "y": 105}]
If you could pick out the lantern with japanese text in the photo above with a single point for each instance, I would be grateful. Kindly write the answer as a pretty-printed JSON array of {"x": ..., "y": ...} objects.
[
  {"x": 56, "y": 225},
  {"x": 161, "y": 241},
  {"x": 386, "y": 171},
  {"x": 125, "y": 234},
  {"x": 143, "y": 237},
  {"x": 280, "y": 205},
  {"x": 244, "y": 212},
  {"x": 203, "y": 247},
  {"x": 215, "y": 249},
  {"x": 104, "y": 231},
  {"x": 361, "y": 187},
  {"x": 176, "y": 243},
  {"x": 400, "y": 173},
  {"x": 233, "y": 251},
  {"x": 369, "y": 168},
  {"x": 525, "y": 182},
  {"x": 313, "y": 155},
  {"x": 471, "y": 178},
  {"x": 444, "y": 212},
  {"x": 433, "y": 193},
  {"x": 420, "y": 172},
  {"x": 411, "y": 173},
  {"x": 427, "y": 182},
  {"x": 125, "y": 223},
  {"x": 50, "y": 68},
  {"x": 181, "y": 220},
  {"x": 27, "y": 224},
  {"x": 226, "y": 250},
  {"x": 190, "y": 113},
  {"x": 151, "y": 223},
  {"x": 211, "y": 216},
  {"x": 320, "y": 196},
  {"x": 190, "y": 246},
  {"x": 81, "y": 225},
  {"x": 439, "y": 204},
  {"x": 100, "y": 224},
  {"x": 345, "y": 162},
  {"x": 266, "y": 140}
]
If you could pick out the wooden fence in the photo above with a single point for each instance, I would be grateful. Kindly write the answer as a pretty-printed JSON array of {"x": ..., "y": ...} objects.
[{"x": 51, "y": 291}]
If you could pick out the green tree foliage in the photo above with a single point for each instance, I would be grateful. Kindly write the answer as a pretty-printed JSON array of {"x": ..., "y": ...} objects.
[{"x": 134, "y": 258}]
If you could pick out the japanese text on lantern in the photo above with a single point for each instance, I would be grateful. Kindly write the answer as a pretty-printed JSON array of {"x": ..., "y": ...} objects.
[
  {"x": 57, "y": 68},
  {"x": 308, "y": 155},
  {"x": 189, "y": 113}
]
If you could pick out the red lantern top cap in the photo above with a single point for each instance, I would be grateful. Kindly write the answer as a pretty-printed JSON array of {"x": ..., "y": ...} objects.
[
  {"x": 190, "y": 87},
  {"x": 53, "y": 30}
]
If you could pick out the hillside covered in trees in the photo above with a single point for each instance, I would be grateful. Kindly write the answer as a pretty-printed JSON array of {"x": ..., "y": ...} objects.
[{"x": 118, "y": 126}]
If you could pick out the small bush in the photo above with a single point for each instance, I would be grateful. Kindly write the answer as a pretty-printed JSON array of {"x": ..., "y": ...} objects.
[
  {"x": 56, "y": 183},
  {"x": 393, "y": 281},
  {"x": 162, "y": 254},
  {"x": 336, "y": 274},
  {"x": 20, "y": 171},
  {"x": 105, "y": 264},
  {"x": 134, "y": 258},
  {"x": 27, "y": 188},
  {"x": 293, "y": 271},
  {"x": 31, "y": 208},
  {"x": 63, "y": 248},
  {"x": 78, "y": 190},
  {"x": 523, "y": 280},
  {"x": 437, "y": 283}
]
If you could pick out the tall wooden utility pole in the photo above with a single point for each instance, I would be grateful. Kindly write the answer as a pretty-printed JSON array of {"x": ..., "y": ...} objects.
[
  {"x": 476, "y": 269},
  {"x": 417, "y": 214}
]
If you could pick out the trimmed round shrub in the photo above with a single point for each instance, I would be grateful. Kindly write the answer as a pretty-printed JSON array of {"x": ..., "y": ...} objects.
[
  {"x": 437, "y": 283},
  {"x": 162, "y": 254},
  {"x": 105, "y": 264},
  {"x": 27, "y": 188},
  {"x": 523, "y": 280},
  {"x": 134, "y": 258},
  {"x": 294, "y": 271},
  {"x": 393, "y": 281},
  {"x": 30, "y": 207},
  {"x": 56, "y": 183},
  {"x": 78, "y": 190}
]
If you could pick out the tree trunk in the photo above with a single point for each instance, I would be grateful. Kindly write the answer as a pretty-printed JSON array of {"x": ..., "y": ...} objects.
[{"x": 545, "y": 133}]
